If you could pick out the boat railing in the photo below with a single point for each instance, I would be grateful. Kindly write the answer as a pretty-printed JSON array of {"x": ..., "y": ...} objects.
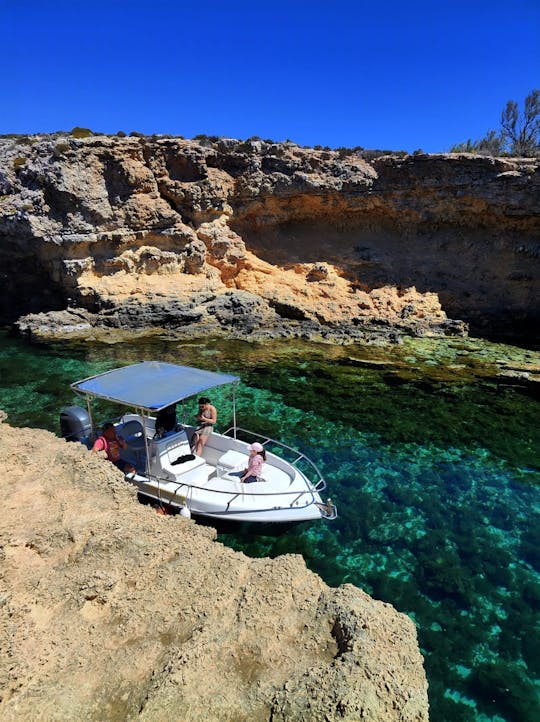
[
  {"x": 327, "y": 509},
  {"x": 314, "y": 475},
  {"x": 190, "y": 487}
]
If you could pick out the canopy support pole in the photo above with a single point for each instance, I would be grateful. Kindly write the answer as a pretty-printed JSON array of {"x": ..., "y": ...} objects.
[
  {"x": 146, "y": 450},
  {"x": 234, "y": 408},
  {"x": 89, "y": 409}
]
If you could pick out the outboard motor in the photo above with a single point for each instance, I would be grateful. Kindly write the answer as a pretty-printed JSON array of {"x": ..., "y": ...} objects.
[{"x": 75, "y": 424}]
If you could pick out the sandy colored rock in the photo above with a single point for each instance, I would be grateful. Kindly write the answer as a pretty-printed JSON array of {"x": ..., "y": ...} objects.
[
  {"x": 149, "y": 232},
  {"x": 154, "y": 232},
  {"x": 110, "y": 611}
]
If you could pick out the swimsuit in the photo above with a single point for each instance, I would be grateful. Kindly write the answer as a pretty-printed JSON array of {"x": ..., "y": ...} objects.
[{"x": 206, "y": 430}]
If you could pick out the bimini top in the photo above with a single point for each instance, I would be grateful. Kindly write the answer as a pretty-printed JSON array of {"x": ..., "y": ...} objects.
[{"x": 151, "y": 385}]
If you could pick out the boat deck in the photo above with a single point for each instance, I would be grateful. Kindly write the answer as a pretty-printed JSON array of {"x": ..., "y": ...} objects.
[{"x": 172, "y": 461}]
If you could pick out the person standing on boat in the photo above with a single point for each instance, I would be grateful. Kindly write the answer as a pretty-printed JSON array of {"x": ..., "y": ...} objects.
[
  {"x": 257, "y": 457},
  {"x": 207, "y": 417},
  {"x": 111, "y": 444}
]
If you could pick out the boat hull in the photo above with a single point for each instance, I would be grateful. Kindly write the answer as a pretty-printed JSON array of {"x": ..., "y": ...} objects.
[{"x": 237, "y": 507}]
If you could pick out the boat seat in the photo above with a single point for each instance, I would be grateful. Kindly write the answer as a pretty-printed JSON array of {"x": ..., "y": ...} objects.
[
  {"x": 133, "y": 433},
  {"x": 175, "y": 469},
  {"x": 230, "y": 461},
  {"x": 172, "y": 443},
  {"x": 173, "y": 458}
]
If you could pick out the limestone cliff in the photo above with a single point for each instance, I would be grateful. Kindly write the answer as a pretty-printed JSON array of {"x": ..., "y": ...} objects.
[
  {"x": 260, "y": 239},
  {"x": 111, "y": 612}
]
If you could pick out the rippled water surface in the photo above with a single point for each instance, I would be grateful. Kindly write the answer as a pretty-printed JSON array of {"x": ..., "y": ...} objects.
[{"x": 433, "y": 460}]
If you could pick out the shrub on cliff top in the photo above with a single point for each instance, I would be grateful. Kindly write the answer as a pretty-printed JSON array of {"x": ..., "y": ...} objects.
[
  {"x": 375, "y": 153},
  {"x": 519, "y": 134},
  {"x": 78, "y": 132},
  {"x": 490, "y": 144},
  {"x": 206, "y": 140}
]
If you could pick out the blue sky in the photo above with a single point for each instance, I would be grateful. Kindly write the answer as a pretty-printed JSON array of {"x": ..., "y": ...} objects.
[{"x": 392, "y": 75}]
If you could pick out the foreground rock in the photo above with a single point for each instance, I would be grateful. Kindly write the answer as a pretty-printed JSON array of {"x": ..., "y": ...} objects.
[
  {"x": 263, "y": 239},
  {"x": 112, "y": 612}
]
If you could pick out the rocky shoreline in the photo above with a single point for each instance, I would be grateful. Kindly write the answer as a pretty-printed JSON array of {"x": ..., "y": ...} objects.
[
  {"x": 110, "y": 611},
  {"x": 261, "y": 240},
  {"x": 125, "y": 323}
]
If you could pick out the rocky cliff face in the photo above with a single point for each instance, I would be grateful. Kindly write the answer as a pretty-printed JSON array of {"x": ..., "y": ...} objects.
[
  {"x": 260, "y": 238},
  {"x": 110, "y": 612}
]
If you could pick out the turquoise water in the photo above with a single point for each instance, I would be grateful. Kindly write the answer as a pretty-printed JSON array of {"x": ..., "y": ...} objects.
[{"x": 433, "y": 461}]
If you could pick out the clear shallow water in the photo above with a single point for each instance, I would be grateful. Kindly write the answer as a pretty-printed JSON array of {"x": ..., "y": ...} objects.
[{"x": 434, "y": 464}]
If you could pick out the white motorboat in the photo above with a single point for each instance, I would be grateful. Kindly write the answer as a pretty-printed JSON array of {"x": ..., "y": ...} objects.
[{"x": 167, "y": 470}]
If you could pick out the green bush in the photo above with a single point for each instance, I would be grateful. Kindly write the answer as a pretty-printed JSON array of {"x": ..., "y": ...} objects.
[
  {"x": 60, "y": 149},
  {"x": 19, "y": 162},
  {"x": 81, "y": 132},
  {"x": 376, "y": 153},
  {"x": 206, "y": 140}
]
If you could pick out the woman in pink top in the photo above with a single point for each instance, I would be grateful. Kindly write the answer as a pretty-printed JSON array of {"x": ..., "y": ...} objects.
[{"x": 257, "y": 457}]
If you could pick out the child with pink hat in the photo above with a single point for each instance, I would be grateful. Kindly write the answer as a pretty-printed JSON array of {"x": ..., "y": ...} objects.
[{"x": 257, "y": 457}]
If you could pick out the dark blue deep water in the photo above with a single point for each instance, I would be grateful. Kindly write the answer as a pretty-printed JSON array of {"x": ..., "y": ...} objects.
[{"x": 433, "y": 460}]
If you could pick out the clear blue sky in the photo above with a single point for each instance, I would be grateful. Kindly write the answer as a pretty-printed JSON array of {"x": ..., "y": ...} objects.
[{"x": 380, "y": 74}]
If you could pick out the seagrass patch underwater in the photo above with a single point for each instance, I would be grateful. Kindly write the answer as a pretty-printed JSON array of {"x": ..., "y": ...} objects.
[{"x": 431, "y": 451}]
